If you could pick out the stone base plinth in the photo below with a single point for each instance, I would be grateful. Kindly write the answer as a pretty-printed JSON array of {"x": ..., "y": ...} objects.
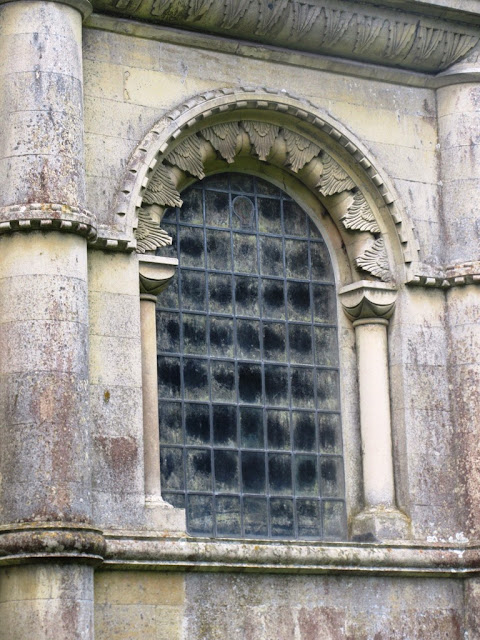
[
  {"x": 161, "y": 516},
  {"x": 380, "y": 524}
]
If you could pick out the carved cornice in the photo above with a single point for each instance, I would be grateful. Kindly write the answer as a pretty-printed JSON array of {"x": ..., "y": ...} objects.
[
  {"x": 355, "y": 30},
  {"x": 83, "y": 6},
  {"x": 457, "y": 275},
  {"x": 47, "y": 217}
]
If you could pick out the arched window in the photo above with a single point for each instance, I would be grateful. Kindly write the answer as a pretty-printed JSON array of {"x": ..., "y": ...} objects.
[{"x": 248, "y": 376}]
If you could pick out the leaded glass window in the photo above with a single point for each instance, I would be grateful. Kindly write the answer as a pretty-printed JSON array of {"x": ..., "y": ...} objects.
[{"x": 248, "y": 376}]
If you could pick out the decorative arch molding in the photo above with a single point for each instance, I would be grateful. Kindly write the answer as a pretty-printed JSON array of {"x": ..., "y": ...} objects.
[{"x": 231, "y": 128}]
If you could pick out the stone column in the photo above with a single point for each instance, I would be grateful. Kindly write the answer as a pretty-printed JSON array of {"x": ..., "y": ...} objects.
[
  {"x": 155, "y": 274},
  {"x": 44, "y": 415},
  {"x": 370, "y": 305},
  {"x": 458, "y": 100}
]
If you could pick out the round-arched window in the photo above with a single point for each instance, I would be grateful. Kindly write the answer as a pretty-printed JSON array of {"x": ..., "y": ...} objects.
[{"x": 248, "y": 377}]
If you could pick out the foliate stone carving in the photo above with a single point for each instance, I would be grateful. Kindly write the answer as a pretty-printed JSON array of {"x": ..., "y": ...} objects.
[
  {"x": 368, "y": 29},
  {"x": 262, "y": 136},
  {"x": 359, "y": 216},
  {"x": 197, "y": 8},
  {"x": 375, "y": 261},
  {"x": 456, "y": 46},
  {"x": 188, "y": 157},
  {"x": 223, "y": 138},
  {"x": 333, "y": 179},
  {"x": 428, "y": 41},
  {"x": 336, "y": 23},
  {"x": 270, "y": 14},
  {"x": 299, "y": 150},
  {"x": 161, "y": 189},
  {"x": 148, "y": 234},
  {"x": 234, "y": 12},
  {"x": 304, "y": 17},
  {"x": 400, "y": 39}
]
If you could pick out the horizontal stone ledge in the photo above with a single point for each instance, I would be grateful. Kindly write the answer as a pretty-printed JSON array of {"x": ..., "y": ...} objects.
[
  {"x": 193, "y": 554},
  {"x": 84, "y": 6},
  {"x": 29, "y": 542},
  {"x": 47, "y": 216}
]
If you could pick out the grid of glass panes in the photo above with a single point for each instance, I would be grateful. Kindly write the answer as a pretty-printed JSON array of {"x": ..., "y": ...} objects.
[{"x": 248, "y": 374}]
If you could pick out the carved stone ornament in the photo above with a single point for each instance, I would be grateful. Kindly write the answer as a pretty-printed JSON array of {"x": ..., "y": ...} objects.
[
  {"x": 155, "y": 273},
  {"x": 367, "y": 300},
  {"x": 423, "y": 40},
  {"x": 375, "y": 261}
]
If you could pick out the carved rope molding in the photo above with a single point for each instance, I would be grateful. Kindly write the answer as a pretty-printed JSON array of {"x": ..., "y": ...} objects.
[
  {"x": 354, "y": 30},
  {"x": 203, "y": 109}
]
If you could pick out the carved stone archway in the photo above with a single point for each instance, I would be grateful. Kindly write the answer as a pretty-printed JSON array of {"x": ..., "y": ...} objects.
[{"x": 228, "y": 128}]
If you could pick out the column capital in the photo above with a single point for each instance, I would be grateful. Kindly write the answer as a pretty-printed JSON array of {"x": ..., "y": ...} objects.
[
  {"x": 155, "y": 273},
  {"x": 84, "y": 6},
  {"x": 368, "y": 301}
]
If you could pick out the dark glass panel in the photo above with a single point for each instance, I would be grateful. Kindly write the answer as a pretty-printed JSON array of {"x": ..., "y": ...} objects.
[
  {"x": 273, "y": 299},
  {"x": 251, "y": 427},
  {"x": 219, "y": 181},
  {"x": 280, "y": 473},
  {"x": 294, "y": 219},
  {"x": 276, "y": 385},
  {"x": 334, "y": 519},
  {"x": 223, "y": 381},
  {"x": 200, "y": 514},
  {"x": 168, "y": 331},
  {"x": 221, "y": 337},
  {"x": 242, "y": 182},
  {"x": 302, "y": 388},
  {"x": 324, "y": 303},
  {"x": 243, "y": 213},
  {"x": 326, "y": 349},
  {"x": 171, "y": 465},
  {"x": 271, "y": 256},
  {"x": 169, "y": 216},
  {"x": 175, "y": 499},
  {"x": 281, "y": 514},
  {"x": 255, "y": 517},
  {"x": 321, "y": 264},
  {"x": 199, "y": 470},
  {"x": 194, "y": 334},
  {"x": 197, "y": 424},
  {"x": 192, "y": 207},
  {"x": 245, "y": 253},
  {"x": 250, "y": 383},
  {"x": 191, "y": 247},
  {"x": 269, "y": 216},
  {"x": 331, "y": 478},
  {"x": 246, "y": 296},
  {"x": 304, "y": 431},
  {"x": 248, "y": 339},
  {"x": 278, "y": 429},
  {"x": 327, "y": 390},
  {"x": 226, "y": 471},
  {"x": 168, "y": 299},
  {"x": 298, "y": 301},
  {"x": 300, "y": 340},
  {"x": 220, "y": 293},
  {"x": 330, "y": 434},
  {"x": 218, "y": 250},
  {"x": 296, "y": 259},
  {"x": 306, "y": 476},
  {"x": 253, "y": 472},
  {"x": 193, "y": 290},
  {"x": 168, "y": 377},
  {"x": 217, "y": 209},
  {"x": 170, "y": 419},
  {"x": 195, "y": 378},
  {"x": 228, "y": 516},
  {"x": 309, "y": 519},
  {"x": 225, "y": 425},
  {"x": 274, "y": 342},
  {"x": 268, "y": 189}
]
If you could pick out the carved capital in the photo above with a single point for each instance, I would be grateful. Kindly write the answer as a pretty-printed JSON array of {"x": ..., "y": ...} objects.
[
  {"x": 155, "y": 273},
  {"x": 368, "y": 301}
]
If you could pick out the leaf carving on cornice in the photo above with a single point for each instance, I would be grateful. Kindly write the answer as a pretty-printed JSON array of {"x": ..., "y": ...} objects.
[
  {"x": 148, "y": 234},
  {"x": 198, "y": 8},
  {"x": 375, "y": 261},
  {"x": 160, "y": 8},
  {"x": 262, "y": 136},
  {"x": 223, "y": 138},
  {"x": 161, "y": 189},
  {"x": 130, "y": 5},
  {"x": 299, "y": 150},
  {"x": 401, "y": 36},
  {"x": 456, "y": 46},
  {"x": 188, "y": 157},
  {"x": 359, "y": 216},
  {"x": 428, "y": 40},
  {"x": 333, "y": 179},
  {"x": 304, "y": 17},
  {"x": 368, "y": 29},
  {"x": 270, "y": 14},
  {"x": 336, "y": 23},
  {"x": 234, "y": 10}
]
